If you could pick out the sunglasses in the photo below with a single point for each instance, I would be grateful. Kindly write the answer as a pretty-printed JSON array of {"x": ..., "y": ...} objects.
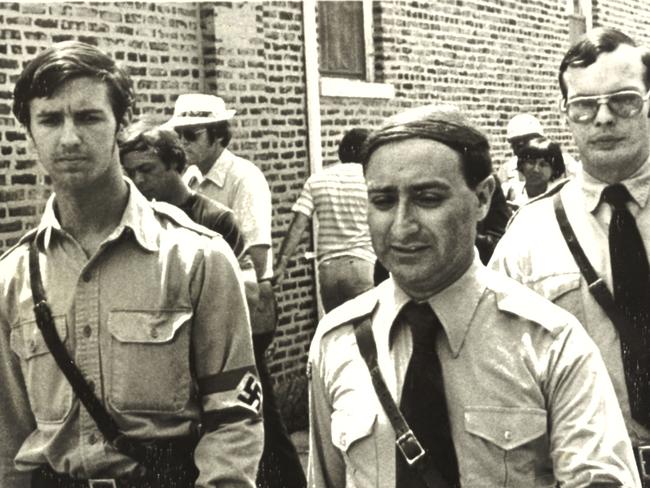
[
  {"x": 188, "y": 134},
  {"x": 624, "y": 104}
]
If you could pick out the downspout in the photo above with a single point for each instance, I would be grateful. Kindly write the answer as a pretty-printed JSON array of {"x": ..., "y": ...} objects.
[{"x": 314, "y": 142}]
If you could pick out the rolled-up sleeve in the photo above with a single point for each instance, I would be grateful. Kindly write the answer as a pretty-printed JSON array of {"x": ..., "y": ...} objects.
[
  {"x": 230, "y": 448},
  {"x": 589, "y": 441}
]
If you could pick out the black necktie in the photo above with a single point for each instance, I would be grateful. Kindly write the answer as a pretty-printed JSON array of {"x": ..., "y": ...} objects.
[
  {"x": 631, "y": 278},
  {"x": 423, "y": 401}
]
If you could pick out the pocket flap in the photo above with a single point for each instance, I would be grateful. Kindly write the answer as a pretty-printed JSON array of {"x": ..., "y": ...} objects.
[
  {"x": 27, "y": 341},
  {"x": 506, "y": 427},
  {"x": 348, "y": 428},
  {"x": 146, "y": 326}
]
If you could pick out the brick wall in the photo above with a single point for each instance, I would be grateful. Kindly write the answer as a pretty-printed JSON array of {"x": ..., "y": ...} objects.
[{"x": 493, "y": 58}]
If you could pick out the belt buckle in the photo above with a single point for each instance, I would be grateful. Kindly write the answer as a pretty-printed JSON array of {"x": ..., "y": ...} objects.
[
  {"x": 102, "y": 483},
  {"x": 411, "y": 448},
  {"x": 644, "y": 463}
]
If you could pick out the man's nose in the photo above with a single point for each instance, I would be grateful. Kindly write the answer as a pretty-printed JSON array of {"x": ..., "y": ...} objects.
[
  {"x": 405, "y": 222},
  {"x": 69, "y": 134},
  {"x": 604, "y": 115}
]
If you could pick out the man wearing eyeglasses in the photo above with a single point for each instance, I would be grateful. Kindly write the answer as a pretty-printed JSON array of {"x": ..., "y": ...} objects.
[
  {"x": 586, "y": 247},
  {"x": 203, "y": 124}
]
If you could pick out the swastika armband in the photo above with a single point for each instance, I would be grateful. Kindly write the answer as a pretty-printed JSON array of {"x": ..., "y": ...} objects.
[{"x": 230, "y": 396}]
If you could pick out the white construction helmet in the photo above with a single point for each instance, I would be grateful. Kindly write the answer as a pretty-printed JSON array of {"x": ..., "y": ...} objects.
[{"x": 523, "y": 125}]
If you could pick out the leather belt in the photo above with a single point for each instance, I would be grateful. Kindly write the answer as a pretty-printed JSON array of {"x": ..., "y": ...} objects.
[{"x": 45, "y": 477}]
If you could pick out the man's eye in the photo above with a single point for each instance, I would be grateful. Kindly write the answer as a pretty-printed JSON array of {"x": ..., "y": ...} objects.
[
  {"x": 428, "y": 199},
  {"x": 382, "y": 202},
  {"x": 49, "y": 121},
  {"x": 88, "y": 118}
]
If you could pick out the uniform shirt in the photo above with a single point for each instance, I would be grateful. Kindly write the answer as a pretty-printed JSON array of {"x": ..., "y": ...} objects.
[
  {"x": 339, "y": 196},
  {"x": 528, "y": 395},
  {"x": 156, "y": 308},
  {"x": 240, "y": 185},
  {"x": 534, "y": 252}
]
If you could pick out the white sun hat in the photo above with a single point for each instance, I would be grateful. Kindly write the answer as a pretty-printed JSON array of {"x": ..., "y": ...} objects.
[{"x": 192, "y": 109}]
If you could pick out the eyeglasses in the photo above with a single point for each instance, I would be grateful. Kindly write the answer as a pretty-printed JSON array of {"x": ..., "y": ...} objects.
[
  {"x": 624, "y": 104},
  {"x": 188, "y": 134}
]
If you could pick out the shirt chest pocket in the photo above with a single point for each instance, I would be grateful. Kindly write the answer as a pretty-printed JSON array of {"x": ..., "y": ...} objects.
[
  {"x": 50, "y": 394},
  {"x": 506, "y": 446},
  {"x": 352, "y": 434},
  {"x": 149, "y": 360}
]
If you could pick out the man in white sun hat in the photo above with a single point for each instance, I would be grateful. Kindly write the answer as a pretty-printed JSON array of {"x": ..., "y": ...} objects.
[{"x": 203, "y": 124}]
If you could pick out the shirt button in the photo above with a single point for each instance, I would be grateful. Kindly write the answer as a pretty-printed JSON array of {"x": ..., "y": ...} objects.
[
  {"x": 87, "y": 331},
  {"x": 507, "y": 435},
  {"x": 87, "y": 276},
  {"x": 154, "y": 333},
  {"x": 32, "y": 345},
  {"x": 91, "y": 385},
  {"x": 92, "y": 439}
]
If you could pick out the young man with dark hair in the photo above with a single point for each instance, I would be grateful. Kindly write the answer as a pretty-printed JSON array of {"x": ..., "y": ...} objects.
[
  {"x": 448, "y": 374},
  {"x": 587, "y": 246},
  {"x": 124, "y": 336}
]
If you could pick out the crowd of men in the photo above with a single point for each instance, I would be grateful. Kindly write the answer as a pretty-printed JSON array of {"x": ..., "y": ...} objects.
[{"x": 135, "y": 317}]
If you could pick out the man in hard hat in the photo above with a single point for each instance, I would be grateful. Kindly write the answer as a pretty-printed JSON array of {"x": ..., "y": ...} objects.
[{"x": 521, "y": 129}]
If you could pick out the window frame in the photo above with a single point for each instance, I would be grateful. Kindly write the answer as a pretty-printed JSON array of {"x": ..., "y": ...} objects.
[{"x": 338, "y": 86}]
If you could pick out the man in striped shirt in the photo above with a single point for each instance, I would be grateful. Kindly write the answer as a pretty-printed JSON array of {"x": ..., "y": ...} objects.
[{"x": 339, "y": 197}]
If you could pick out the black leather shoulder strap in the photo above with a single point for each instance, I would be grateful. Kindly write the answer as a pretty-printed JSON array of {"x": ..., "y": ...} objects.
[
  {"x": 45, "y": 321},
  {"x": 407, "y": 443},
  {"x": 596, "y": 285}
]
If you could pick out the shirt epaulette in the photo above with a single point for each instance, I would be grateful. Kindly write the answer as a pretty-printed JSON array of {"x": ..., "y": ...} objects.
[
  {"x": 180, "y": 218},
  {"x": 351, "y": 311},
  {"x": 25, "y": 238},
  {"x": 516, "y": 299}
]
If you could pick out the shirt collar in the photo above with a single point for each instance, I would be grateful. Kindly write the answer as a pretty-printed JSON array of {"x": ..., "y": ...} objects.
[
  {"x": 454, "y": 306},
  {"x": 220, "y": 168},
  {"x": 638, "y": 185},
  {"x": 138, "y": 218}
]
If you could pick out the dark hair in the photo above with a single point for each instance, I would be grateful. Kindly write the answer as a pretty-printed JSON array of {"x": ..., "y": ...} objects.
[
  {"x": 591, "y": 45},
  {"x": 542, "y": 148},
  {"x": 219, "y": 130},
  {"x": 146, "y": 134},
  {"x": 444, "y": 124},
  {"x": 351, "y": 145},
  {"x": 65, "y": 61}
]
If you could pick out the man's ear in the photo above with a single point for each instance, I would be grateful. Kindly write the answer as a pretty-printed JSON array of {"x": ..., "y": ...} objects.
[{"x": 484, "y": 191}]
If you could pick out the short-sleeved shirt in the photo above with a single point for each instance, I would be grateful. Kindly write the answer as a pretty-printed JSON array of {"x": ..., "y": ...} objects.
[
  {"x": 145, "y": 321},
  {"x": 534, "y": 252},
  {"x": 530, "y": 402},
  {"x": 339, "y": 196},
  {"x": 240, "y": 185}
]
